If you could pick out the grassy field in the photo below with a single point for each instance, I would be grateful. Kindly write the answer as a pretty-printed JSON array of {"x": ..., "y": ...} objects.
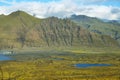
[{"x": 59, "y": 65}]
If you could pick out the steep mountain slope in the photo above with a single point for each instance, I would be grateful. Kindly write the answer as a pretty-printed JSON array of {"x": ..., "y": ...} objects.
[
  {"x": 10, "y": 26},
  {"x": 10, "y": 23},
  {"x": 110, "y": 28},
  {"x": 20, "y": 29}
]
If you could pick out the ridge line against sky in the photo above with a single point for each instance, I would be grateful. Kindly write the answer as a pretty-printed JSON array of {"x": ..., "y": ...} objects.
[{"x": 104, "y": 9}]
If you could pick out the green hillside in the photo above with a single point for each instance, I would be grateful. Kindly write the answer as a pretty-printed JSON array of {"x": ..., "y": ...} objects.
[
  {"x": 20, "y": 29},
  {"x": 96, "y": 25}
]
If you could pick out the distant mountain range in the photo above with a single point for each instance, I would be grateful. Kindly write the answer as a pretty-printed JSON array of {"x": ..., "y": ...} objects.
[
  {"x": 113, "y": 21},
  {"x": 103, "y": 27},
  {"x": 20, "y": 29}
]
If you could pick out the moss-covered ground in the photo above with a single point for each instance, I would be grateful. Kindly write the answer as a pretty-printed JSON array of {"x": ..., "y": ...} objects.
[{"x": 59, "y": 65}]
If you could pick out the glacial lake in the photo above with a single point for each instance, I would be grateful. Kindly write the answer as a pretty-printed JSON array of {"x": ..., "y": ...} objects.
[
  {"x": 87, "y": 65},
  {"x": 4, "y": 58}
]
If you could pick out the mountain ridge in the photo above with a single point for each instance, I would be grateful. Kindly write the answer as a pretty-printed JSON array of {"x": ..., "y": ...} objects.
[
  {"x": 20, "y": 29},
  {"x": 110, "y": 28}
]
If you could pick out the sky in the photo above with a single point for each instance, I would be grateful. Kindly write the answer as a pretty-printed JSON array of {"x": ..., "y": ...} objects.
[{"x": 103, "y": 9}]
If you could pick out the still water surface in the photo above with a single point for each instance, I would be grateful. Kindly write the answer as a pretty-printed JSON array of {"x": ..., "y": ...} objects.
[
  {"x": 90, "y": 65},
  {"x": 4, "y": 58}
]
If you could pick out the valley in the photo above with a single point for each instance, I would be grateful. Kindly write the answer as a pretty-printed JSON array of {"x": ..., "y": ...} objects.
[
  {"x": 50, "y": 48},
  {"x": 59, "y": 64}
]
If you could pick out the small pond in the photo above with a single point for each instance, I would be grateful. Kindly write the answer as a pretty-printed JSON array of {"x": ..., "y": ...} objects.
[
  {"x": 4, "y": 58},
  {"x": 86, "y": 65}
]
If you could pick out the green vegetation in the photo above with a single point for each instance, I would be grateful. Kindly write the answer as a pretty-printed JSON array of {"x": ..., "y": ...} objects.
[
  {"x": 98, "y": 26},
  {"x": 12, "y": 25},
  {"x": 56, "y": 64},
  {"x": 47, "y": 49}
]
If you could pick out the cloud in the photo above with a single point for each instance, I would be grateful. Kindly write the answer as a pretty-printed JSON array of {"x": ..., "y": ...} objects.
[
  {"x": 103, "y": 12},
  {"x": 115, "y": 10},
  {"x": 63, "y": 8}
]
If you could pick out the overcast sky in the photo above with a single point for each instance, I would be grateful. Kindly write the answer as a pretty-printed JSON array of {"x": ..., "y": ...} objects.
[{"x": 104, "y": 9}]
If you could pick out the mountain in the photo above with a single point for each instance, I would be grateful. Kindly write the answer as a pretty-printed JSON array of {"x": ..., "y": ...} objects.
[
  {"x": 115, "y": 22},
  {"x": 11, "y": 24},
  {"x": 20, "y": 29},
  {"x": 103, "y": 27}
]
